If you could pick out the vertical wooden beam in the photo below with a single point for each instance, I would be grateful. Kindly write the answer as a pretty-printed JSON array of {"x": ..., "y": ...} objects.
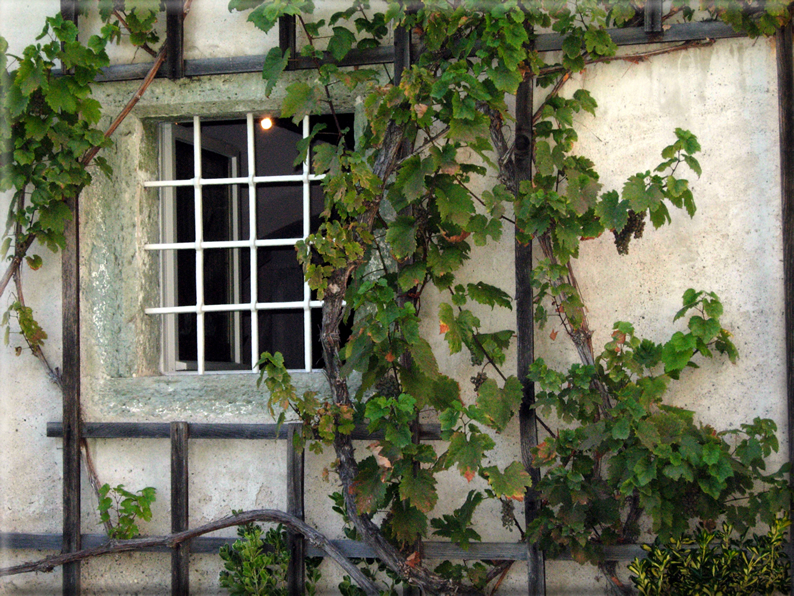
[
  {"x": 402, "y": 52},
  {"x": 402, "y": 61},
  {"x": 526, "y": 336},
  {"x": 70, "y": 297},
  {"x": 70, "y": 279},
  {"x": 180, "y": 556},
  {"x": 785, "y": 94},
  {"x": 175, "y": 35},
  {"x": 653, "y": 16},
  {"x": 288, "y": 36},
  {"x": 69, "y": 10},
  {"x": 296, "y": 572}
]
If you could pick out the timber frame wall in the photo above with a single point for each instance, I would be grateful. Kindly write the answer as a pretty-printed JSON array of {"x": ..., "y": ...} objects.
[{"x": 73, "y": 432}]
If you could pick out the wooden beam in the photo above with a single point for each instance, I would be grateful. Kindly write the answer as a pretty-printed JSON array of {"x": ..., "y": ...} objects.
[
  {"x": 526, "y": 336},
  {"x": 69, "y": 10},
  {"x": 288, "y": 36},
  {"x": 70, "y": 280},
  {"x": 550, "y": 42},
  {"x": 402, "y": 52},
  {"x": 70, "y": 365},
  {"x": 180, "y": 555},
  {"x": 501, "y": 551},
  {"x": 653, "y": 17},
  {"x": 162, "y": 430},
  {"x": 296, "y": 571},
  {"x": 785, "y": 94},
  {"x": 175, "y": 35}
]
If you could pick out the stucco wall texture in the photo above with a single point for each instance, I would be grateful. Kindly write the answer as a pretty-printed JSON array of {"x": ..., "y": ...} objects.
[{"x": 726, "y": 94}]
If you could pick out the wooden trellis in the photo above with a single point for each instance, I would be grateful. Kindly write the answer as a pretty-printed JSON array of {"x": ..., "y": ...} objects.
[{"x": 72, "y": 431}]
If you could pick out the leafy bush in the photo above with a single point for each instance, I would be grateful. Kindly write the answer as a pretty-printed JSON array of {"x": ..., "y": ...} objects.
[
  {"x": 711, "y": 563},
  {"x": 121, "y": 508},
  {"x": 629, "y": 454},
  {"x": 257, "y": 563}
]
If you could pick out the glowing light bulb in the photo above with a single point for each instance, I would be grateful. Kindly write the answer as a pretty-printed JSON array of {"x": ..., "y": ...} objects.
[{"x": 266, "y": 123}]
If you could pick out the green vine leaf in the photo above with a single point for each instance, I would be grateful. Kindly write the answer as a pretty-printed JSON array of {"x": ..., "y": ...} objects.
[{"x": 510, "y": 484}]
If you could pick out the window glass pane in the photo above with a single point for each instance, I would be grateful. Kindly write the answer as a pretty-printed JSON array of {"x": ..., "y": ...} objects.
[
  {"x": 185, "y": 277},
  {"x": 276, "y": 148},
  {"x": 226, "y": 138},
  {"x": 219, "y": 336},
  {"x": 183, "y": 150},
  {"x": 317, "y": 205},
  {"x": 222, "y": 275},
  {"x": 279, "y": 210},
  {"x": 279, "y": 275},
  {"x": 282, "y": 331},
  {"x": 243, "y": 227}
]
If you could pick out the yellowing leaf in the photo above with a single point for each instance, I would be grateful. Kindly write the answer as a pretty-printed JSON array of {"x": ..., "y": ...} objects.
[{"x": 512, "y": 483}]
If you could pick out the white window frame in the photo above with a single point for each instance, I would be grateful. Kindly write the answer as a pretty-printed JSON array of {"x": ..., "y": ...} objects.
[{"x": 168, "y": 266}]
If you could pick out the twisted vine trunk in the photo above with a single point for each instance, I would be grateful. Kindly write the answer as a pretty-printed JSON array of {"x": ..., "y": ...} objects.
[
  {"x": 332, "y": 313},
  {"x": 314, "y": 538}
]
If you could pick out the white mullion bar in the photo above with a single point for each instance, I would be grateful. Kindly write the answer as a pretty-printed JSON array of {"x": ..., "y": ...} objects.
[
  {"x": 171, "y": 310},
  {"x": 278, "y": 242},
  {"x": 221, "y": 244},
  {"x": 252, "y": 221},
  {"x": 229, "y": 181},
  {"x": 168, "y": 183},
  {"x": 199, "y": 224},
  {"x": 170, "y": 246},
  {"x": 307, "y": 310}
]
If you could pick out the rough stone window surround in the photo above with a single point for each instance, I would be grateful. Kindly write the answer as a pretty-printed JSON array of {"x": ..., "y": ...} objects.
[{"x": 121, "y": 345}]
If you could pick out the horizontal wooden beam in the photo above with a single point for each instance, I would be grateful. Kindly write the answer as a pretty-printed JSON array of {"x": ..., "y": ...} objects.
[
  {"x": 482, "y": 551},
  {"x": 162, "y": 430},
  {"x": 550, "y": 42}
]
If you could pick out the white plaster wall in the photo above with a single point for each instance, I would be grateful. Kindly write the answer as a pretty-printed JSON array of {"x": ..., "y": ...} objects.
[{"x": 725, "y": 94}]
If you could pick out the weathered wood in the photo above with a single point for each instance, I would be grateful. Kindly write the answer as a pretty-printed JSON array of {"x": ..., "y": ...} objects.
[
  {"x": 161, "y": 430},
  {"x": 296, "y": 571},
  {"x": 69, "y": 10},
  {"x": 70, "y": 296},
  {"x": 494, "y": 551},
  {"x": 70, "y": 322},
  {"x": 785, "y": 93},
  {"x": 386, "y": 55},
  {"x": 175, "y": 35},
  {"x": 172, "y": 540},
  {"x": 402, "y": 52},
  {"x": 287, "y": 35},
  {"x": 653, "y": 16},
  {"x": 536, "y": 575},
  {"x": 180, "y": 556}
]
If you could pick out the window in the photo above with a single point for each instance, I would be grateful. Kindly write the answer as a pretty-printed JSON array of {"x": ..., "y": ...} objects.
[{"x": 233, "y": 206}]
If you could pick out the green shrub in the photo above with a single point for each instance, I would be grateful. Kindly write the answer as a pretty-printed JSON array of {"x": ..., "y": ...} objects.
[
  {"x": 712, "y": 563},
  {"x": 257, "y": 563},
  {"x": 121, "y": 508}
]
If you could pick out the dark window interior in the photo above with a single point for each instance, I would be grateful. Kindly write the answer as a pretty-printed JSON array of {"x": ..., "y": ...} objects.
[{"x": 225, "y": 216}]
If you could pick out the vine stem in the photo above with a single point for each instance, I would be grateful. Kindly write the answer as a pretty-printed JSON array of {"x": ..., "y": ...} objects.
[
  {"x": 145, "y": 47},
  {"x": 91, "y": 153},
  {"x": 313, "y": 536},
  {"x": 36, "y": 350},
  {"x": 639, "y": 57}
]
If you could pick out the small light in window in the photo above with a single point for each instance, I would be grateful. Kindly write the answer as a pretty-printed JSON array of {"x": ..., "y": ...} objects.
[{"x": 266, "y": 123}]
